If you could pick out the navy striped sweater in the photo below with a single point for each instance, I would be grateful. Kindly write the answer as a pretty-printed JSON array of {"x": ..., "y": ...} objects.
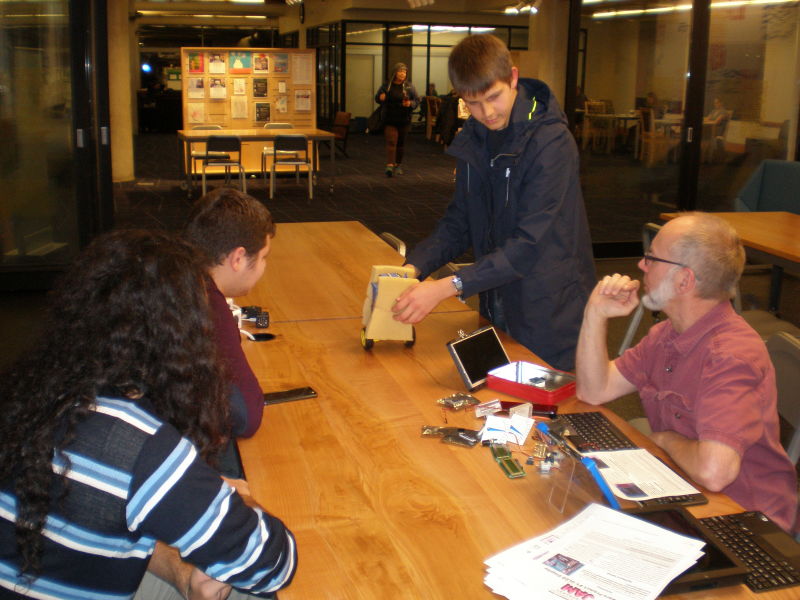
[{"x": 132, "y": 480}]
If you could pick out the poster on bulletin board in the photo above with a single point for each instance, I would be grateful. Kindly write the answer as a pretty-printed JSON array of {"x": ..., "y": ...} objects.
[{"x": 245, "y": 88}]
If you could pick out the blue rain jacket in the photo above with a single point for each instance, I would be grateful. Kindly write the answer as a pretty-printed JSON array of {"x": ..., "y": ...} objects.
[{"x": 522, "y": 214}]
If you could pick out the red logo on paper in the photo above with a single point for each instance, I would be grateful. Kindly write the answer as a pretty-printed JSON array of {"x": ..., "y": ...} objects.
[{"x": 576, "y": 592}]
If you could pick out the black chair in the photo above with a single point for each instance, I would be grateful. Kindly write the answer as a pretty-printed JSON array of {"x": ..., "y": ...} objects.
[
  {"x": 291, "y": 150},
  {"x": 200, "y": 155},
  {"x": 228, "y": 145},
  {"x": 267, "y": 150}
]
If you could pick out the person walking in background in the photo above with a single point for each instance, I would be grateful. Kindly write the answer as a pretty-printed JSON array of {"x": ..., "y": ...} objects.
[{"x": 399, "y": 99}]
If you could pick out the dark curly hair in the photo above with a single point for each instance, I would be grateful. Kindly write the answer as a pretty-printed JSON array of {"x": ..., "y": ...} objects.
[{"x": 131, "y": 319}]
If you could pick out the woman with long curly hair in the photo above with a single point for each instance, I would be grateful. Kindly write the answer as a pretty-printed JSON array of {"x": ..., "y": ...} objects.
[{"x": 107, "y": 429}]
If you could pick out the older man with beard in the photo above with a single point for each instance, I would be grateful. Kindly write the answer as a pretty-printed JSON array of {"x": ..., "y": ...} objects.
[{"x": 704, "y": 376}]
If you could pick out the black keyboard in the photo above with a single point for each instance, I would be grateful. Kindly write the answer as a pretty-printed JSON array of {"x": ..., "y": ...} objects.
[
  {"x": 744, "y": 535},
  {"x": 683, "y": 500},
  {"x": 593, "y": 432}
]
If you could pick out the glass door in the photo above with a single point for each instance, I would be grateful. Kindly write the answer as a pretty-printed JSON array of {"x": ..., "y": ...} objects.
[
  {"x": 54, "y": 123},
  {"x": 751, "y": 96},
  {"x": 629, "y": 115}
]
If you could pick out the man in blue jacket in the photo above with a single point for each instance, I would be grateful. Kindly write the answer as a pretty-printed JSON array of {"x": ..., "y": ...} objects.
[{"x": 518, "y": 205}]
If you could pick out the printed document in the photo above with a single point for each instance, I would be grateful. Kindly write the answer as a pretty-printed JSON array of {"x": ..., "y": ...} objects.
[{"x": 600, "y": 553}]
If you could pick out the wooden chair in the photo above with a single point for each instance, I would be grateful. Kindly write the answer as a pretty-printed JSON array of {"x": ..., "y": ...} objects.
[
  {"x": 287, "y": 151},
  {"x": 599, "y": 127},
  {"x": 341, "y": 130},
  {"x": 434, "y": 103},
  {"x": 219, "y": 149},
  {"x": 654, "y": 144}
]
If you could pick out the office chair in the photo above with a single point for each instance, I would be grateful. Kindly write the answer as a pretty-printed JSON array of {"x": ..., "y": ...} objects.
[
  {"x": 773, "y": 186},
  {"x": 199, "y": 155},
  {"x": 217, "y": 147},
  {"x": 287, "y": 151},
  {"x": 784, "y": 351},
  {"x": 395, "y": 242}
]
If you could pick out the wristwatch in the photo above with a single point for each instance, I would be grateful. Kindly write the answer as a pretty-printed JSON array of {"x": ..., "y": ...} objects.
[{"x": 458, "y": 284}]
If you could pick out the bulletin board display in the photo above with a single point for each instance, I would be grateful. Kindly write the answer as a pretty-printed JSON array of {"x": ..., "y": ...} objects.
[{"x": 241, "y": 88}]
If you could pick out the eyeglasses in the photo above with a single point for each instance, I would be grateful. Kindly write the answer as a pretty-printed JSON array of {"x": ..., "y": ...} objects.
[{"x": 648, "y": 258}]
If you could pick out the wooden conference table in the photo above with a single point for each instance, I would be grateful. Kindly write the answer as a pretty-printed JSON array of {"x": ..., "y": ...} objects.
[
  {"x": 257, "y": 134},
  {"x": 769, "y": 237},
  {"x": 377, "y": 510}
]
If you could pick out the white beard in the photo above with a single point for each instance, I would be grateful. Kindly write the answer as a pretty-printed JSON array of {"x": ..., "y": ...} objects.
[{"x": 658, "y": 298}]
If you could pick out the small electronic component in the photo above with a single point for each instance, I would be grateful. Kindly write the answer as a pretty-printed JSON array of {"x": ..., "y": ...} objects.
[
  {"x": 539, "y": 450},
  {"x": 458, "y": 436},
  {"x": 262, "y": 320},
  {"x": 488, "y": 408},
  {"x": 458, "y": 401},
  {"x": 511, "y": 468},
  {"x": 465, "y": 437},
  {"x": 250, "y": 312},
  {"x": 500, "y": 451}
]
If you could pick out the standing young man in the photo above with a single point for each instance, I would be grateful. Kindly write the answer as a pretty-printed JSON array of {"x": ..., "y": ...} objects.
[
  {"x": 234, "y": 231},
  {"x": 518, "y": 205}
]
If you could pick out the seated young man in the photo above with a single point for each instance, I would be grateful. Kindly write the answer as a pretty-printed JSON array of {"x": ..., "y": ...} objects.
[
  {"x": 234, "y": 232},
  {"x": 704, "y": 376}
]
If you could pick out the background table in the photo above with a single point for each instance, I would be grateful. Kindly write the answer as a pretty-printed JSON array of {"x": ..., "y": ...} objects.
[
  {"x": 379, "y": 511},
  {"x": 251, "y": 156}
]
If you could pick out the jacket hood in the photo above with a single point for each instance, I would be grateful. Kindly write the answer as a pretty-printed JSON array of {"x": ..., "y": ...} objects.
[{"x": 535, "y": 107}]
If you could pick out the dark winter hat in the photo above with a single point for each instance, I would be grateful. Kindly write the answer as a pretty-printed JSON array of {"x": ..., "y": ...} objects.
[{"x": 399, "y": 67}]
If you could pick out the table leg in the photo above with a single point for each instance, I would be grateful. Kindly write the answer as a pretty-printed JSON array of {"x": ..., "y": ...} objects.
[
  {"x": 775, "y": 283},
  {"x": 187, "y": 166},
  {"x": 333, "y": 164}
]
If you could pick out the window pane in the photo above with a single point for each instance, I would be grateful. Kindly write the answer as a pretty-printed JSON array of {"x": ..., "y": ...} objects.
[
  {"x": 37, "y": 206},
  {"x": 751, "y": 100},
  {"x": 364, "y": 33},
  {"x": 629, "y": 117}
]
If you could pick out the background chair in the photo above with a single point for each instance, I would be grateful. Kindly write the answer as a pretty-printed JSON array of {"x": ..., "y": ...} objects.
[
  {"x": 433, "y": 103},
  {"x": 395, "y": 242},
  {"x": 219, "y": 149},
  {"x": 655, "y": 144},
  {"x": 199, "y": 155},
  {"x": 267, "y": 150},
  {"x": 784, "y": 351},
  {"x": 773, "y": 186},
  {"x": 599, "y": 127},
  {"x": 341, "y": 130},
  {"x": 287, "y": 151}
]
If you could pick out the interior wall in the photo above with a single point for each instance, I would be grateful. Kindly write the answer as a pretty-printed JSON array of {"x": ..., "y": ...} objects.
[{"x": 614, "y": 70}]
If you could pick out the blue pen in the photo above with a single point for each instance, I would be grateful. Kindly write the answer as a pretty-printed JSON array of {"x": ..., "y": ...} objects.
[{"x": 589, "y": 463}]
